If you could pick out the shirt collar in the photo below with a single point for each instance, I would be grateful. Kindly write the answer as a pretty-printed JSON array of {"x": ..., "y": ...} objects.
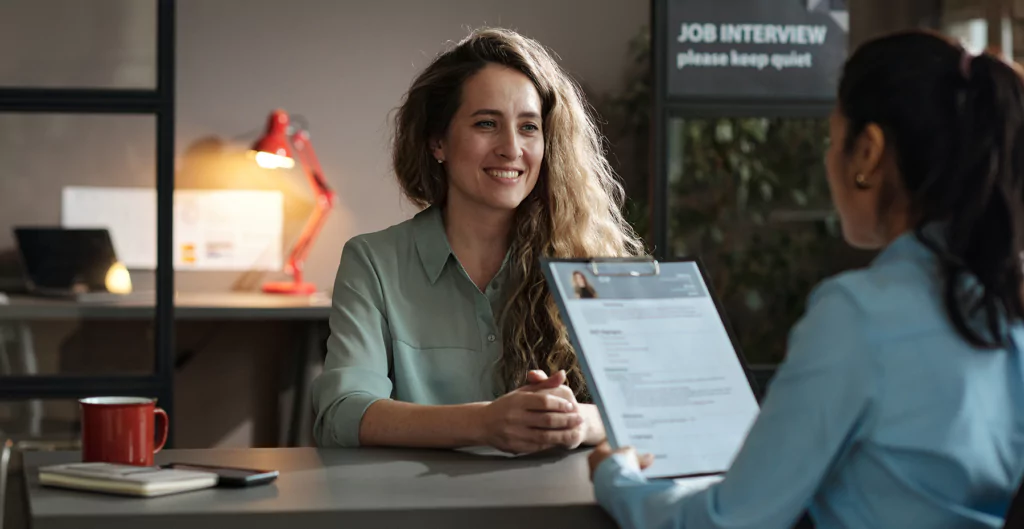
[
  {"x": 909, "y": 246},
  {"x": 431, "y": 242}
]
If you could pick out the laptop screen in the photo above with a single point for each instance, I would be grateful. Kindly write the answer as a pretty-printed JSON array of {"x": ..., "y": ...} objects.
[{"x": 73, "y": 260}]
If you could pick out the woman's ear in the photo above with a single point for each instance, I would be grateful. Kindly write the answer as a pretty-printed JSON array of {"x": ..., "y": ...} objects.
[
  {"x": 437, "y": 149},
  {"x": 868, "y": 154}
]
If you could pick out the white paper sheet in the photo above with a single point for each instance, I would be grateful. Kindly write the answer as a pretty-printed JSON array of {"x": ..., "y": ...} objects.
[
  {"x": 228, "y": 230},
  {"x": 225, "y": 230},
  {"x": 128, "y": 213},
  {"x": 660, "y": 363}
]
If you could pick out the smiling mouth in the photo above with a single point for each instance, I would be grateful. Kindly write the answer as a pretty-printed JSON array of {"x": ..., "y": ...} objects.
[{"x": 504, "y": 174}]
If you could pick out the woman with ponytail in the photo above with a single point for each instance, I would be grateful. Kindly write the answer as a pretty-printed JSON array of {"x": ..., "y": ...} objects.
[{"x": 900, "y": 400}]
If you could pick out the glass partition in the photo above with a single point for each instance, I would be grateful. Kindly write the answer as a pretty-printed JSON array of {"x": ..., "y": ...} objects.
[
  {"x": 75, "y": 44},
  {"x": 749, "y": 197},
  {"x": 77, "y": 225}
]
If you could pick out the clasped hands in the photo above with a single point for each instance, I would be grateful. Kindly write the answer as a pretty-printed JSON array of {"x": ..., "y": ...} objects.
[
  {"x": 540, "y": 415},
  {"x": 544, "y": 414}
]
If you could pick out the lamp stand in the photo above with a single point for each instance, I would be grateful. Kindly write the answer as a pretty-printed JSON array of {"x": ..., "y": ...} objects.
[{"x": 324, "y": 202}]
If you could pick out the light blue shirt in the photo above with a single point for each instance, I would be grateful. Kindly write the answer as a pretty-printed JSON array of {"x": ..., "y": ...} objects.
[{"x": 880, "y": 416}]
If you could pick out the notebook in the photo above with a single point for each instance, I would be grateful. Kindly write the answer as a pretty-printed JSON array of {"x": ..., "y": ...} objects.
[{"x": 126, "y": 480}]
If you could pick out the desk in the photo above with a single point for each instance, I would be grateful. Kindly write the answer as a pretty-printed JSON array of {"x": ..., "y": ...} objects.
[
  {"x": 188, "y": 306},
  {"x": 369, "y": 488}
]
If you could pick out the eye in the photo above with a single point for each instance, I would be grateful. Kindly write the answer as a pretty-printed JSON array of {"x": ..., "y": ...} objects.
[
  {"x": 530, "y": 127},
  {"x": 487, "y": 124}
]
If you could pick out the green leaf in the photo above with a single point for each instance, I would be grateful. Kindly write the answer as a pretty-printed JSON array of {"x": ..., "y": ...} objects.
[
  {"x": 799, "y": 197},
  {"x": 723, "y": 132}
]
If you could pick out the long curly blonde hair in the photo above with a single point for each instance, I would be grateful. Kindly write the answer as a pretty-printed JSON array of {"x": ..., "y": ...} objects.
[{"x": 573, "y": 211}]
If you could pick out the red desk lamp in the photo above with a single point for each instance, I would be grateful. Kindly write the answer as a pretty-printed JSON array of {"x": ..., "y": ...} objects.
[{"x": 275, "y": 150}]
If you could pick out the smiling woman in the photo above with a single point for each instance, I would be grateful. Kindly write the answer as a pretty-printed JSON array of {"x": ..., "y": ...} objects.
[{"x": 443, "y": 332}]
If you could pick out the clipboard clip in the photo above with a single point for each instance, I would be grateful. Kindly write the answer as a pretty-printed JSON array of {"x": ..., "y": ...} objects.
[{"x": 651, "y": 265}]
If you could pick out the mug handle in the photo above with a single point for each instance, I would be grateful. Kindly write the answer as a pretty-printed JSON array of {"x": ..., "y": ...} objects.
[{"x": 160, "y": 413}]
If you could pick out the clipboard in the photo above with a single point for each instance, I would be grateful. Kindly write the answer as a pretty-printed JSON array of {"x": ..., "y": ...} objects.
[{"x": 608, "y": 270}]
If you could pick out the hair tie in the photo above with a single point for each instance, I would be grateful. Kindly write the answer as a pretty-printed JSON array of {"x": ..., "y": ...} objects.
[{"x": 965, "y": 64}]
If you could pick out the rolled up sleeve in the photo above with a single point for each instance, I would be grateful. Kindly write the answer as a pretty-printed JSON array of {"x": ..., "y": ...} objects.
[{"x": 355, "y": 373}]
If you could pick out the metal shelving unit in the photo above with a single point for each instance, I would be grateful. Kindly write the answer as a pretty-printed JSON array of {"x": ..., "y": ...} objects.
[{"x": 160, "y": 103}]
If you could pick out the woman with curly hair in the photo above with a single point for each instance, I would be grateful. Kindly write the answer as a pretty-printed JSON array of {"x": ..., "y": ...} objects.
[{"x": 443, "y": 328}]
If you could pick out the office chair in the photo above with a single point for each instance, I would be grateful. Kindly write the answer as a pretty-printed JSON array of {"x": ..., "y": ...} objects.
[{"x": 1015, "y": 515}]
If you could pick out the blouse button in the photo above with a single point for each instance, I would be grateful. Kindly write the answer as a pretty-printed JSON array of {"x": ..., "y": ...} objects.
[{"x": 491, "y": 337}]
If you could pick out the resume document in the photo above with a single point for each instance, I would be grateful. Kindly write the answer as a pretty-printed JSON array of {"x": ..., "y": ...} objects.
[{"x": 658, "y": 360}]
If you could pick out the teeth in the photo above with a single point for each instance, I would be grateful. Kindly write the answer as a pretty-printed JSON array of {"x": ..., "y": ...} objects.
[{"x": 503, "y": 174}]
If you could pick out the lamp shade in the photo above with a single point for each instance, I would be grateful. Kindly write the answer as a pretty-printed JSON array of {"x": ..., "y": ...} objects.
[{"x": 273, "y": 150}]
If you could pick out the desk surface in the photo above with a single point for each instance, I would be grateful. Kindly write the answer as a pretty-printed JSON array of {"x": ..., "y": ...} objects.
[
  {"x": 187, "y": 306},
  {"x": 343, "y": 488}
]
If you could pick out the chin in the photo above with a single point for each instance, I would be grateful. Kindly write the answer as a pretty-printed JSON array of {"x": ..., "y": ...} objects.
[
  {"x": 505, "y": 202},
  {"x": 504, "y": 205}
]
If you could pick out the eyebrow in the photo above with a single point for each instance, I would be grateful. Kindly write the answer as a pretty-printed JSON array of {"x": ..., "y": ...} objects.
[{"x": 492, "y": 112}]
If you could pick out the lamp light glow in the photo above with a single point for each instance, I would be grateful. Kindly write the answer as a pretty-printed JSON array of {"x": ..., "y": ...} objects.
[
  {"x": 118, "y": 280},
  {"x": 268, "y": 160}
]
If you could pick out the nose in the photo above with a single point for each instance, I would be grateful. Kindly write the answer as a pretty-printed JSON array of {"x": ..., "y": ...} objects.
[{"x": 508, "y": 146}]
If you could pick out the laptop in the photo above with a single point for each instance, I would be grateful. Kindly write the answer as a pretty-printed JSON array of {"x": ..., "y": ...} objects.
[{"x": 67, "y": 263}]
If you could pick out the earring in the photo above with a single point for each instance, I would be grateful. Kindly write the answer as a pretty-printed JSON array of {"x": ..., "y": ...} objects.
[
  {"x": 861, "y": 181},
  {"x": 440, "y": 160}
]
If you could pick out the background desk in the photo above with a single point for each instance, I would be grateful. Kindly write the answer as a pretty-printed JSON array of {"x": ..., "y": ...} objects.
[
  {"x": 187, "y": 306},
  {"x": 19, "y": 310},
  {"x": 368, "y": 488}
]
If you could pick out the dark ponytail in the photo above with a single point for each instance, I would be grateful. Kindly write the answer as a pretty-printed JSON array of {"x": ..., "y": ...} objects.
[{"x": 954, "y": 123}]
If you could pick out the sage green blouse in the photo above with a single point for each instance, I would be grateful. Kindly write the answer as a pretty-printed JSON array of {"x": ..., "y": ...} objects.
[{"x": 407, "y": 323}]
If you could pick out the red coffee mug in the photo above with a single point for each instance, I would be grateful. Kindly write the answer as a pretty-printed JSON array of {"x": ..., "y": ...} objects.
[{"x": 121, "y": 430}]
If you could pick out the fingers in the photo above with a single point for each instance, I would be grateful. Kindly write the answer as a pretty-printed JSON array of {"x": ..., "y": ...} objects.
[
  {"x": 545, "y": 402},
  {"x": 551, "y": 382},
  {"x": 559, "y": 377},
  {"x": 562, "y": 392},
  {"x": 552, "y": 421},
  {"x": 549, "y": 438},
  {"x": 536, "y": 383},
  {"x": 642, "y": 460},
  {"x": 535, "y": 376},
  {"x": 529, "y": 421},
  {"x": 602, "y": 450}
]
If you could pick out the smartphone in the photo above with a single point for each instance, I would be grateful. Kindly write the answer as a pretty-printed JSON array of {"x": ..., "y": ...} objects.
[{"x": 231, "y": 476}]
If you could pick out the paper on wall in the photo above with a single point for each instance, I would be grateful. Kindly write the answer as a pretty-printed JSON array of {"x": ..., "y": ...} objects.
[
  {"x": 129, "y": 214},
  {"x": 214, "y": 230},
  {"x": 228, "y": 230}
]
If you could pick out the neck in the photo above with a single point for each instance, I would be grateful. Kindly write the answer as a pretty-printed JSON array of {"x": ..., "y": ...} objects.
[
  {"x": 479, "y": 238},
  {"x": 896, "y": 225}
]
